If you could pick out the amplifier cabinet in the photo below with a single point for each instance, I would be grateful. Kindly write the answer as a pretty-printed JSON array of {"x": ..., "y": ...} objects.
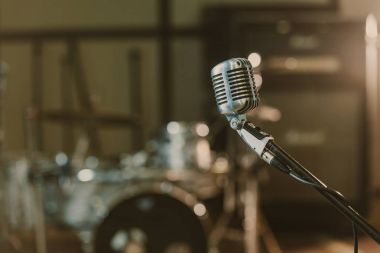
[{"x": 313, "y": 71}]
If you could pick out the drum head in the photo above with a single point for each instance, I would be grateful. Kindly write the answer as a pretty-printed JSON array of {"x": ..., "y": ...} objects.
[{"x": 151, "y": 223}]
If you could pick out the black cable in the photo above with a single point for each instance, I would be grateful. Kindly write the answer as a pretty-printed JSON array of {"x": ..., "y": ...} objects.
[
  {"x": 280, "y": 165},
  {"x": 356, "y": 242},
  {"x": 335, "y": 194},
  {"x": 346, "y": 209}
]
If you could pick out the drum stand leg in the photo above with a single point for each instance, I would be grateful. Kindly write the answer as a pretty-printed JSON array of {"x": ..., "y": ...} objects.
[
  {"x": 256, "y": 228},
  {"x": 39, "y": 218},
  {"x": 37, "y": 185},
  {"x": 220, "y": 229},
  {"x": 250, "y": 221},
  {"x": 86, "y": 237},
  {"x": 4, "y": 233},
  {"x": 269, "y": 240}
]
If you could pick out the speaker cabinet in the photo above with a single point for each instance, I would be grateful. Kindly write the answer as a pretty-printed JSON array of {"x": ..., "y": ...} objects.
[{"x": 313, "y": 71}]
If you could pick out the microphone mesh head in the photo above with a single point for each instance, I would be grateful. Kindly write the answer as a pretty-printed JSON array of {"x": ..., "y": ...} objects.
[{"x": 234, "y": 86}]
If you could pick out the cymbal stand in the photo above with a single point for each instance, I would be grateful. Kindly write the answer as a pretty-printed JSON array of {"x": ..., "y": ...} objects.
[
  {"x": 3, "y": 84},
  {"x": 34, "y": 143},
  {"x": 256, "y": 229},
  {"x": 241, "y": 194}
]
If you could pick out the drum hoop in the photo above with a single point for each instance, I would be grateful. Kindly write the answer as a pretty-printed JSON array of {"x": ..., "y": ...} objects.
[{"x": 160, "y": 187}]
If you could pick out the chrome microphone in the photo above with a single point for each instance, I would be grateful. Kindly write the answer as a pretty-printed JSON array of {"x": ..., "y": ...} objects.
[
  {"x": 236, "y": 94},
  {"x": 234, "y": 86}
]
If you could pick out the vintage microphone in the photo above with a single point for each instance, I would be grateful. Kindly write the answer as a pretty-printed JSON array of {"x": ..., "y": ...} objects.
[{"x": 236, "y": 94}]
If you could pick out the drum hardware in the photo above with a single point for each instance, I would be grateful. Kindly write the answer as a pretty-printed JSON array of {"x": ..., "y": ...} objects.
[
  {"x": 41, "y": 243},
  {"x": 22, "y": 195},
  {"x": 80, "y": 151},
  {"x": 84, "y": 197},
  {"x": 180, "y": 146},
  {"x": 4, "y": 233},
  {"x": 18, "y": 196},
  {"x": 36, "y": 183},
  {"x": 242, "y": 197},
  {"x": 78, "y": 82},
  {"x": 136, "y": 70}
]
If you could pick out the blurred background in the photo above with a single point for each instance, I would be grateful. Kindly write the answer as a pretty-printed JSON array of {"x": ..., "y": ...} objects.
[{"x": 111, "y": 140}]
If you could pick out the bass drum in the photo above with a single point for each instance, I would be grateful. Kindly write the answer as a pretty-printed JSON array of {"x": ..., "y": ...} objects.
[{"x": 154, "y": 218}]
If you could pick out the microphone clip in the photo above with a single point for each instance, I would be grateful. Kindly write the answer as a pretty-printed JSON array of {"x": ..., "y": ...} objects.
[
  {"x": 236, "y": 121},
  {"x": 253, "y": 136}
]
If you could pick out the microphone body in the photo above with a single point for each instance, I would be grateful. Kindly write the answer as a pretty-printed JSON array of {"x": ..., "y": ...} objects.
[{"x": 234, "y": 86}]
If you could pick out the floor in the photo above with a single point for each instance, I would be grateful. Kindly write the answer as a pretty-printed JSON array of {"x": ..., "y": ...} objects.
[
  {"x": 317, "y": 243},
  {"x": 66, "y": 241},
  {"x": 321, "y": 244}
]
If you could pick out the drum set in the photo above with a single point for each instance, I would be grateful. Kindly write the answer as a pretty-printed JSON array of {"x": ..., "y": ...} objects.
[{"x": 175, "y": 195}]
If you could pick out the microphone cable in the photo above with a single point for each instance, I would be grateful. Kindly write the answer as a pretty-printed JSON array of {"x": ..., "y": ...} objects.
[{"x": 332, "y": 192}]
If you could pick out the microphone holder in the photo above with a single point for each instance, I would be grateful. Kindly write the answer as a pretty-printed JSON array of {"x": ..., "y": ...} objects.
[{"x": 265, "y": 147}]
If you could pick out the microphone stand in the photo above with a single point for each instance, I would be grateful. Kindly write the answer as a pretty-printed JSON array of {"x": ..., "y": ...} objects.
[{"x": 265, "y": 147}]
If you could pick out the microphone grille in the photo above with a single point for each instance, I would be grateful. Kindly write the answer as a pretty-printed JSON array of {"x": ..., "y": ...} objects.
[
  {"x": 234, "y": 86},
  {"x": 239, "y": 81},
  {"x": 219, "y": 89}
]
